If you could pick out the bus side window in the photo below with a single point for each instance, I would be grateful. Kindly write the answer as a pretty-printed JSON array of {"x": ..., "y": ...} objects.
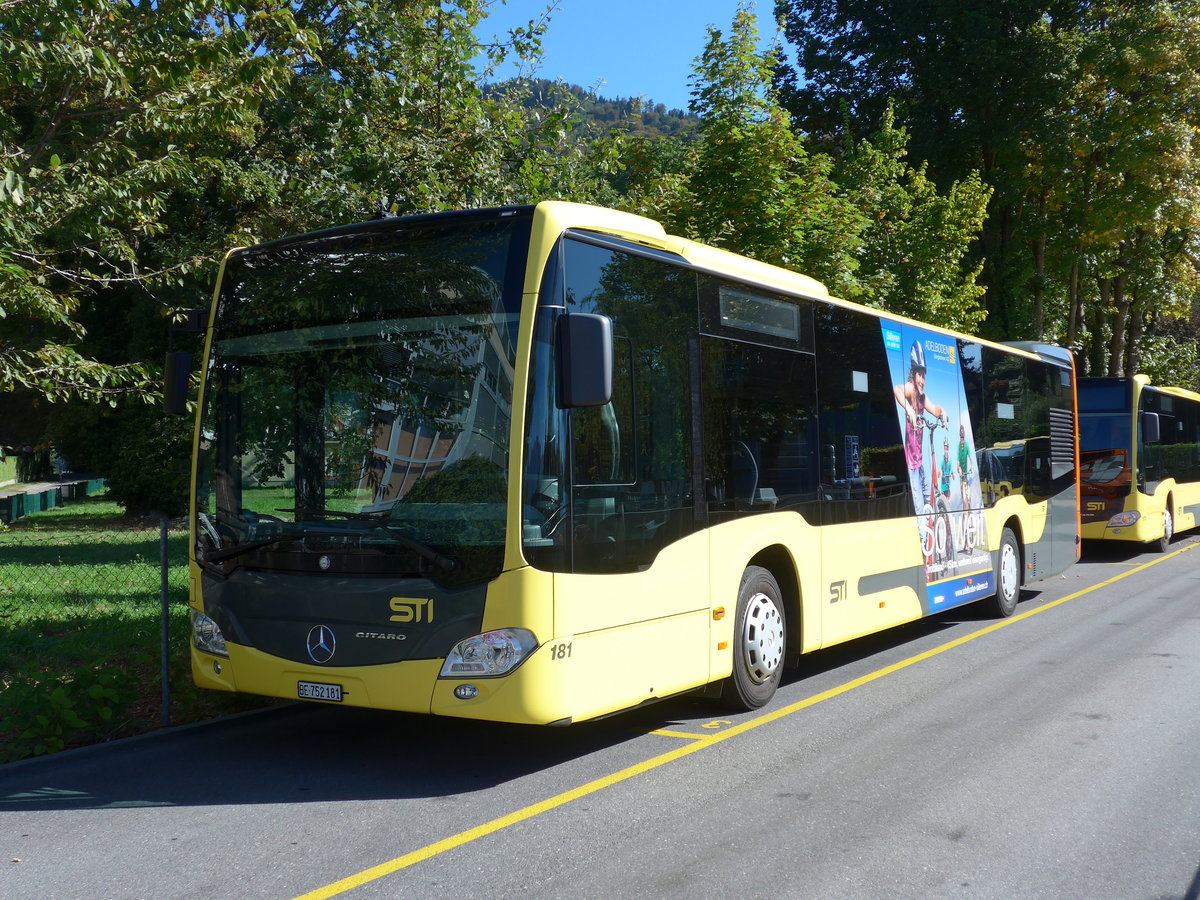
[
  {"x": 758, "y": 451},
  {"x": 604, "y": 435},
  {"x": 631, "y": 484}
]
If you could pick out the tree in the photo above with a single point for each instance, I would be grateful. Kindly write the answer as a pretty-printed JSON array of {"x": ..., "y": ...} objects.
[
  {"x": 858, "y": 218},
  {"x": 748, "y": 183},
  {"x": 143, "y": 138},
  {"x": 1079, "y": 117},
  {"x": 106, "y": 109},
  {"x": 915, "y": 247},
  {"x": 966, "y": 78}
]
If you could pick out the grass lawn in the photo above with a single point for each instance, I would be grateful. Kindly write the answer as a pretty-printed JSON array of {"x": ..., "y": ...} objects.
[
  {"x": 8, "y": 469},
  {"x": 80, "y": 630}
]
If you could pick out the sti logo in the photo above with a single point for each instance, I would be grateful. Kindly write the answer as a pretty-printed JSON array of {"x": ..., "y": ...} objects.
[{"x": 407, "y": 610}]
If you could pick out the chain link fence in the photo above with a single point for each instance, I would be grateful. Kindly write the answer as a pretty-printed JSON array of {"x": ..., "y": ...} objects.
[{"x": 91, "y": 620}]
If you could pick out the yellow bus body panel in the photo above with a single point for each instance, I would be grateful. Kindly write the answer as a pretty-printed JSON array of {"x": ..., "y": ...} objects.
[
  {"x": 858, "y": 558},
  {"x": 404, "y": 686},
  {"x": 1185, "y": 498}
]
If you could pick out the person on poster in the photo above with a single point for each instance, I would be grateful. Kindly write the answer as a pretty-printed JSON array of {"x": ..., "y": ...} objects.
[
  {"x": 945, "y": 472},
  {"x": 911, "y": 397},
  {"x": 965, "y": 462}
]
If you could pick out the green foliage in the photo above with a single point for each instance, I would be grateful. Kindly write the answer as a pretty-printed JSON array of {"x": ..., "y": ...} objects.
[
  {"x": 129, "y": 172},
  {"x": 1079, "y": 119},
  {"x": 34, "y": 465},
  {"x": 916, "y": 241},
  {"x": 595, "y": 115},
  {"x": 48, "y": 714},
  {"x": 1170, "y": 359},
  {"x": 863, "y": 221},
  {"x": 80, "y": 605},
  {"x": 470, "y": 480},
  {"x": 106, "y": 110},
  {"x": 143, "y": 454},
  {"x": 749, "y": 184}
]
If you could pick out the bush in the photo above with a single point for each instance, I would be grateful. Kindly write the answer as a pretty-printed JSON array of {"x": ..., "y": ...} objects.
[
  {"x": 143, "y": 454},
  {"x": 48, "y": 715},
  {"x": 34, "y": 465}
]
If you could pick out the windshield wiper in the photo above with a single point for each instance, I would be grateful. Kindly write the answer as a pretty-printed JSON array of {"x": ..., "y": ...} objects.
[
  {"x": 239, "y": 549},
  {"x": 427, "y": 552},
  {"x": 423, "y": 550}
]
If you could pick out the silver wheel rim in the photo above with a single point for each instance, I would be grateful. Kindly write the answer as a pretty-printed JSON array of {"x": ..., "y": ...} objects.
[
  {"x": 1008, "y": 572},
  {"x": 1168, "y": 526},
  {"x": 762, "y": 638}
]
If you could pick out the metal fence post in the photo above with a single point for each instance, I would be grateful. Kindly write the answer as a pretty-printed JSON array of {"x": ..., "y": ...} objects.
[{"x": 166, "y": 626}]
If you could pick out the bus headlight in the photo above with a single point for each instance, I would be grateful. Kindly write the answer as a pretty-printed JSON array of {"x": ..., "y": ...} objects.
[
  {"x": 490, "y": 654},
  {"x": 1123, "y": 520},
  {"x": 206, "y": 634}
]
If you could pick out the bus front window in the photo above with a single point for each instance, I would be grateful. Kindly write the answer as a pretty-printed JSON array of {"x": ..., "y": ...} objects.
[
  {"x": 358, "y": 403},
  {"x": 1104, "y": 440}
]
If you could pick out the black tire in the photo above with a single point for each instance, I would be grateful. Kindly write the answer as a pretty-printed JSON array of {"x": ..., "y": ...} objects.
[
  {"x": 759, "y": 641},
  {"x": 1164, "y": 542},
  {"x": 1008, "y": 576}
]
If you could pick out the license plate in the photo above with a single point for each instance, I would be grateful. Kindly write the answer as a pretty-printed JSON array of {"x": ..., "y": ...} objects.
[{"x": 309, "y": 690}]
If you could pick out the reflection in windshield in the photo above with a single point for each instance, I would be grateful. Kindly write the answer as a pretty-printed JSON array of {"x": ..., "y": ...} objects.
[
  {"x": 1102, "y": 466},
  {"x": 1104, "y": 439},
  {"x": 358, "y": 402}
]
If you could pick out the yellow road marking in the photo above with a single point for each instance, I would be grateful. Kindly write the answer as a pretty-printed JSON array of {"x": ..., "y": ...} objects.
[
  {"x": 699, "y": 742},
  {"x": 663, "y": 732}
]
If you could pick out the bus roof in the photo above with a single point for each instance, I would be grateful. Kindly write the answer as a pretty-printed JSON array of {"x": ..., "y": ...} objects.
[
  {"x": 561, "y": 216},
  {"x": 648, "y": 232}
]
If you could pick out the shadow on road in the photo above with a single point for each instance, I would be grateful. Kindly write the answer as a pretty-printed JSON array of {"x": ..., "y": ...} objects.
[{"x": 297, "y": 753}]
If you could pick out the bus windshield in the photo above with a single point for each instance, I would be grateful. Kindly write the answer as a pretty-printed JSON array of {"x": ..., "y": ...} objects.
[
  {"x": 1104, "y": 440},
  {"x": 358, "y": 402}
]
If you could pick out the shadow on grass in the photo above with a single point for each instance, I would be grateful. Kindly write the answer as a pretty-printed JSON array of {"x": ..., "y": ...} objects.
[{"x": 58, "y": 549}]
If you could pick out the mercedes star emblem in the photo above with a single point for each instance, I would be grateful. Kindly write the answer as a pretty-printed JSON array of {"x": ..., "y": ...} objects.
[{"x": 321, "y": 643}]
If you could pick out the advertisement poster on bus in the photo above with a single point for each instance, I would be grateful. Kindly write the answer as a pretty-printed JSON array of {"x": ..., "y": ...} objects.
[{"x": 939, "y": 450}]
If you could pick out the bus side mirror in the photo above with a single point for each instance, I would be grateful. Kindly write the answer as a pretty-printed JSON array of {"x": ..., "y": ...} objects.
[
  {"x": 585, "y": 360},
  {"x": 177, "y": 374},
  {"x": 1150, "y": 428}
]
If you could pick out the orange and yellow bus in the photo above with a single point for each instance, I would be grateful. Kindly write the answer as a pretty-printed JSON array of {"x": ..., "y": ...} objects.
[
  {"x": 1140, "y": 460},
  {"x": 544, "y": 463}
]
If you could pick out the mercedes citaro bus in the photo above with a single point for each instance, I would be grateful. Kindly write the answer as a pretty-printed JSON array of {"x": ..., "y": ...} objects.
[
  {"x": 540, "y": 464},
  {"x": 1140, "y": 460}
]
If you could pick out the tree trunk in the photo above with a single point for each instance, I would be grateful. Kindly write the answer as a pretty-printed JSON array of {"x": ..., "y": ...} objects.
[
  {"x": 1133, "y": 347},
  {"x": 1116, "y": 347},
  {"x": 1097, "y": 323},
  {"x": 1039, "y": 286},
  {"x": 1075, "y": 313}
]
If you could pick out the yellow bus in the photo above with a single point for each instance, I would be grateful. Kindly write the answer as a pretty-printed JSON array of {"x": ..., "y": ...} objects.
[
  {"x": 1140, "y": 460},
  {"x": 541, "y": 464}
]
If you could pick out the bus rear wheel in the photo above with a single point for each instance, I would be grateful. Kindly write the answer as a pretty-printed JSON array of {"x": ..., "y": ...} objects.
[
  {"x": 1008, "y": 576},
  {"x": 759, "y": 639}
]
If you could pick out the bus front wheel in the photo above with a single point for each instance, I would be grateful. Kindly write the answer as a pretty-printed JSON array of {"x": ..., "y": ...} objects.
[
  {"x": 759, "y": 639},
  {"x": 1164, "y": 542},
  {"x": 1008, "y": 576}
]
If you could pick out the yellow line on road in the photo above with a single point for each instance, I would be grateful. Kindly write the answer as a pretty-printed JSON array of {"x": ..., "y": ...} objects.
[
  {"x": 663, "y": 732},
  {"x": 699, "y": 742}
]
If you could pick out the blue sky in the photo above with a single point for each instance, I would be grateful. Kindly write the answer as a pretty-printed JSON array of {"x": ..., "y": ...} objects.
[{"x": 626, "y": 48}]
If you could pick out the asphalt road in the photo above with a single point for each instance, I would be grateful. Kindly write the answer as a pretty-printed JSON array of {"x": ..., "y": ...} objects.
[{"x": 1055, "y": 755}]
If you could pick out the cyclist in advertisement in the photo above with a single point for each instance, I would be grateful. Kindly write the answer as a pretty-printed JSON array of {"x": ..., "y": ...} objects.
[
  {"x": 950, "y": 526},
  {"x": 912, "y": 399},
  {"x": 963, "y": 467},
  {"x": 946, "y": 471}
]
